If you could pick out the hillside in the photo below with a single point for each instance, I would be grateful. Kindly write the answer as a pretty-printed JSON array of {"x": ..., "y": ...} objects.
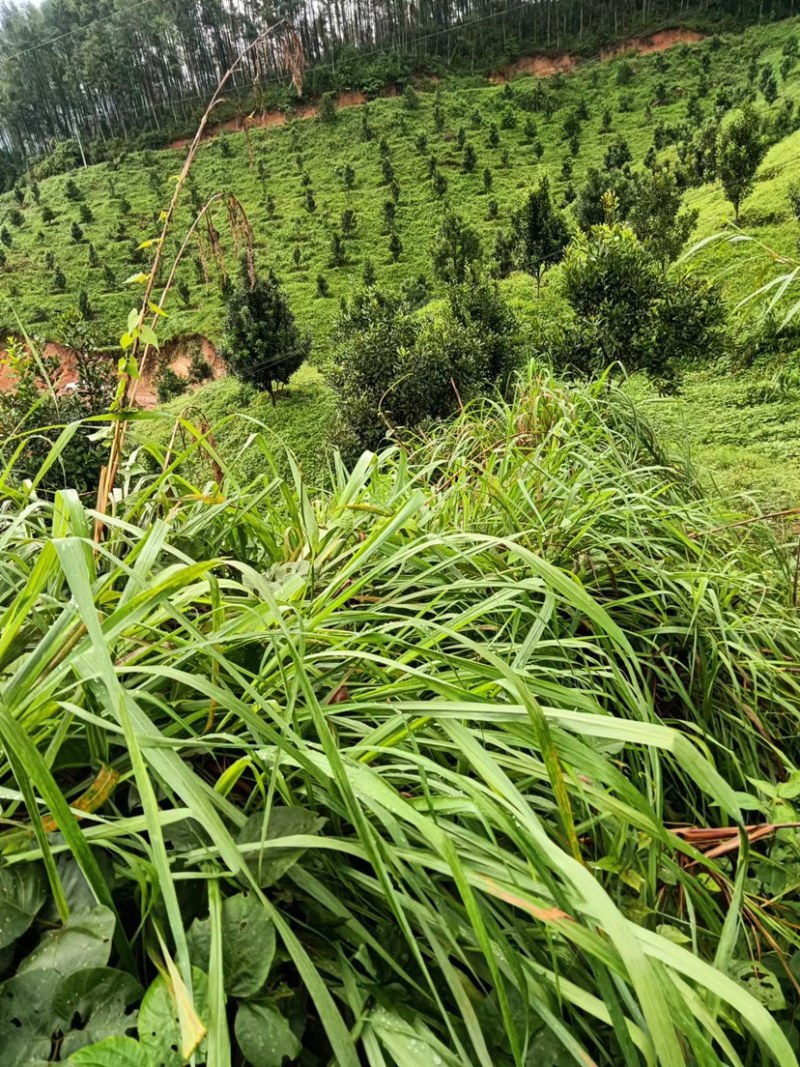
[
  {"x": 274, "y": 162},
  {"x": 517, "y": 132},
  {"x": 401, "y": 669}
]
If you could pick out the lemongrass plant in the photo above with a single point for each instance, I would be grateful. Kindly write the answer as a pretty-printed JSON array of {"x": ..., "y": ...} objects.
[{"x": 415, "y": 771}]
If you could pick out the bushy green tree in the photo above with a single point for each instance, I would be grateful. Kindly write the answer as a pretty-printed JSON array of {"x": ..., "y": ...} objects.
[
  {"x": 395, "y": 246},
  {"x": 456, "y": 248},
  {"x": 618, "y": 154},
  {"x": 338, "y": 250},
  {"x": 540, "y": 232},
  {"x": 261, "y": 342},
  {"x": 768, "y": 84},
  {"x": 327, "y": 109},
  {"x": 657, "y": 216},
  {"x": 394, "y": 367},
  {"x": 410, "y": 98},
  {"x": 588, "y": 208},
  {"x": 741, "y": 148},
  {"x": 627, "y": 310}
]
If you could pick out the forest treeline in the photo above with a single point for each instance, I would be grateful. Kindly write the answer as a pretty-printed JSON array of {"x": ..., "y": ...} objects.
[{"x": 106, "y": 69}]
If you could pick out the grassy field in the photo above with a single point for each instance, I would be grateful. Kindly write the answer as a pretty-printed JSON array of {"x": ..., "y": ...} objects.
[{"x": 272, "y": 170}]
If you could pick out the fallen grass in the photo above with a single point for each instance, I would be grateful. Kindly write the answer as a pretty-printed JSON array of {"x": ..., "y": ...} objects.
[{"x": 440, "y": 722}]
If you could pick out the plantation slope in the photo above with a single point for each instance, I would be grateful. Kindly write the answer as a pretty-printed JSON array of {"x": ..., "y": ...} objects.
[
  {"x": 124, "y": 202},
  {"x": 742, "y": 430}
]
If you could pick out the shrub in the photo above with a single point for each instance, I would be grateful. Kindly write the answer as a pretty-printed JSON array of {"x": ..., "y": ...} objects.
[
  {"x": 200, "y": 369},
  {"x": 455, "y": 250},
  {"x": 262, "y": 344},
  {"x": 740, "y": 151},
  {"x": 410, "y": 98},
  {"x": 627, "y": 310},
  {"x": 618, "y": 154},
  {"x": 656, "y": 214},
  {"x": 540, "y": 233},
  {"x": 327, "y": 109},
  {"x": 169, "y": 384},
  {"x": 395, "y": 247},
  {"x": 71, "y": 190},
  {"x": 30, "y": 401},
  {"x": 338, "y": 256},
  {"x": 396, "y": 368},
  {"x": 588, "y": 208}
]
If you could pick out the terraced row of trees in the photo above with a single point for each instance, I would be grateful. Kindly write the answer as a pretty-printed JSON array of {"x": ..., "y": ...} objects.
[{"x": 105, "y": 69}]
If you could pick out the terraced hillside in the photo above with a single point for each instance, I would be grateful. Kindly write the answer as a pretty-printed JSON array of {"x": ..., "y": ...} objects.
[{"x": 366, "y": 187}]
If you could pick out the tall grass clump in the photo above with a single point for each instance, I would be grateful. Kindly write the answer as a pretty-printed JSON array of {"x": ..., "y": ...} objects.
[{"x": 485, "y": 756}]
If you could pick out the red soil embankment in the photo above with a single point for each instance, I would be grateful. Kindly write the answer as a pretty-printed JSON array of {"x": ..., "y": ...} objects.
[
  {"x": 655, "y": 42},
  {"x": 272, "y": 118},
  {"x": 175, "y": 354},
  {"x": 540, "y": 66}
]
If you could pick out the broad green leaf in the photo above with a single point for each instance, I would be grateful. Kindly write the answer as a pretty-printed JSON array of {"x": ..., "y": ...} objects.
[
  {"x": 248, "y": 945},
  {"x": 83, "y": 941},
  {"x": 27, "y": 1017},
  {"x": 761, "y": 984},
  {"x": 95, "y": 1004},
  {"x": 148, "y": 335},
  {"x": 23, "y": 892},
  {"x": 114, "y": 1052},
  {"x": 159, "y": 1028},
  {"x": 264, "y": 1035},
  {"x": 270, "y": 864}
]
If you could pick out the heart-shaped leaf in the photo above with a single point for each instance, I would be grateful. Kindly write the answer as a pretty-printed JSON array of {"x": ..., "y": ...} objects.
[
  {"x": 113, "y": 1052},
  {"x": 23, "y": 891},
  {"x": 271, "y": 864},
  {"x": 264, "y": 1036},
  {"x": 27, "y": 1018},
  {"x": 159, "y": 1028},
  {"x": 83, "y": 941},
  {"x": 94, "y": 1004},
  {"x": 248, "y": 945}
]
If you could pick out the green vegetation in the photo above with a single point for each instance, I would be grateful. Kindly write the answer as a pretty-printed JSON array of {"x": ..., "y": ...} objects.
[
  {"x": 399, "y": 771},
  {"x": 405, "y": 696}
]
